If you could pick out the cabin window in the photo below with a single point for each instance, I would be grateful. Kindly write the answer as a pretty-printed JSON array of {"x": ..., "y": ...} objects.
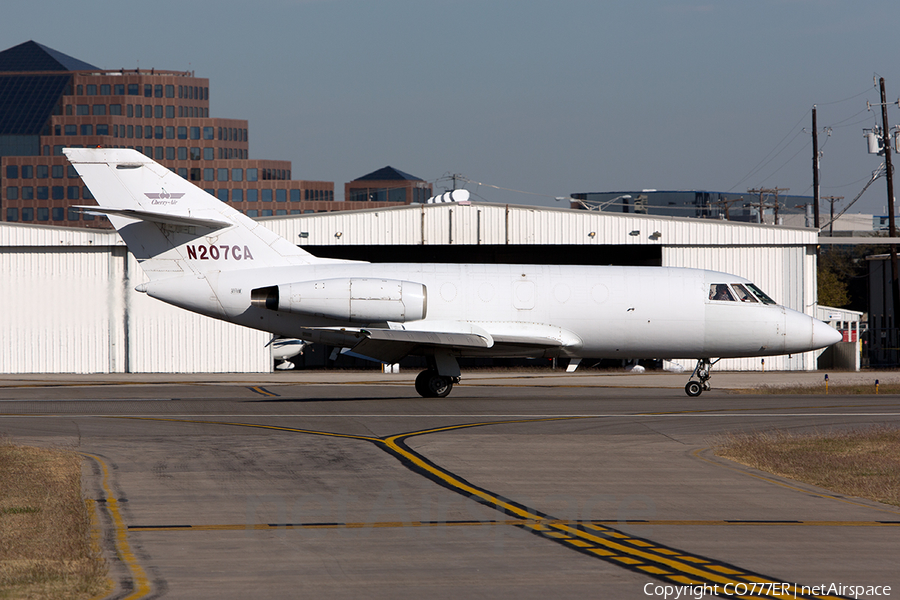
[
  {"x": 742, "y": 293},
  {"x": 759, "y": 294},
  {"x": 720, "y": 292}
]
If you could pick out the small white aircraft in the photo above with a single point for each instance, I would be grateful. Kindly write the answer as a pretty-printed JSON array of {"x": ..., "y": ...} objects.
[{"x": 202, "y": 255}]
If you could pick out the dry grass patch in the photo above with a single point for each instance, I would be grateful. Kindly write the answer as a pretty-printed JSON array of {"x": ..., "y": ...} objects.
[
  {"x": 854, "y": 389},
  {"x": 46, "y": 548},
  {"x": 863, "y": 463}
]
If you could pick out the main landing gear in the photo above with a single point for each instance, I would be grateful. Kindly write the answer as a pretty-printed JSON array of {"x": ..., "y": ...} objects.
[
  {"x": 701, "y": 372},
  {"x": 430, "y": 384},
  {"x": 437, "y": 380}
]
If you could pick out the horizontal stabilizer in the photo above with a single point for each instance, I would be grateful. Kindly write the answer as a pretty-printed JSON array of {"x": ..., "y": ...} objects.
[{"x": 157, "y": 217}]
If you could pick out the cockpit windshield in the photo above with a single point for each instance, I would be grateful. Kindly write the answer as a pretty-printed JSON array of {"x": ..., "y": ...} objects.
[
  {"x": 720, "y": 292},
  {"x": 742, "y": 293},
  {"x": 760, "y": 294}
]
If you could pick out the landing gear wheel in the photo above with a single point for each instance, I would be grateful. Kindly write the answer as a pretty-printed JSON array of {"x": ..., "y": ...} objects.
[
  {"x": 431, "y": 385},
  {"x": 693, "y": 389}
]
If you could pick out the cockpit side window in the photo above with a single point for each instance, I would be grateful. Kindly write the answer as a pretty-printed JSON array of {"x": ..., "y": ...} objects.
[
  {"x": 720, "y": 291},
  {"x": 759, "y": 294},
  {"x": 742, "y": 293}
]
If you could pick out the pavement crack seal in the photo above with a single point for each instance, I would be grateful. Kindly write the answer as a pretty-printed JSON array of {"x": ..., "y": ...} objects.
[
  {"x": 138, "y": 583},
  {"x": 610, "y": 545}
]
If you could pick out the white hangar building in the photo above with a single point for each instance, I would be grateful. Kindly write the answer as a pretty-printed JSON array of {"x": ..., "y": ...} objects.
[{"x": 69, "y": 304}]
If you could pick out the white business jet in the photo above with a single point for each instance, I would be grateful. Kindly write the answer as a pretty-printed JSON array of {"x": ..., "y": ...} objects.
[{"x": 202, "y": 255}]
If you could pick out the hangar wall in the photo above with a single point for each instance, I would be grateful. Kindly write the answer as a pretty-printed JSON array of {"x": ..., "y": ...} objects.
[{"x": 69, "y": 306}]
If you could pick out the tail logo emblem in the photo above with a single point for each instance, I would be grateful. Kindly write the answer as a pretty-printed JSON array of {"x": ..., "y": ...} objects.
[{"x": 164, "y": 197}]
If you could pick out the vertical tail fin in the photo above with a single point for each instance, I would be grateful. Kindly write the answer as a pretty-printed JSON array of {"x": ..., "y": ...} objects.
[{"x": 172, "y": 226}]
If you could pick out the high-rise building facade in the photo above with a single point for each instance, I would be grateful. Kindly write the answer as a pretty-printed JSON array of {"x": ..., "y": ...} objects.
[{"x": 50, "y": 101}]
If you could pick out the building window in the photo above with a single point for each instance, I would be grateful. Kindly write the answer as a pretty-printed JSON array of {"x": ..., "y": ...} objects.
[
  {"x": 82, "y": 109},
  {"x": 148, "y": 90},
  {"x": 12, "y": 214},
  {"x": 209, "y": 133},
  {"x": 237, "y": 195},
  {"x": 43, "y": 214},
  {"x": 148, "y": 111},
  {"x": 105, "y": 89},
  {"x": 138, "y": 111},
  {"x": 129, "y": 110},
  {"x": 27, "y": 192},
  {"x": 182, "y": 153},
  {"x": 252, "y": 195},
  {"x": 27, "y": 213},
  {"x": 209, "y": 154},
  {"x": 222, "y": 195},
  {"x": 267, "y": 195},
  {"x": 195, "y": 174},
  {"x": 72, "y": 192},
  {"x": 87, "y": 129},
  {"x": 195, "y": 154},
  {"x": 59, "y": 192},
  {"x": 158, "y": 111},
  {"x": 148, "y": 132},
  {"x": 57, "y": 171},
  {"x": 158, "y": 90},
  {"x": 86, "y": 194},
  {"x": 119, "y": 90},
  {"x": 71, "y": 173},
  {"x": 159, "y": 153},
  {"x": 195, "y": 133},
  {"x": 73, "y": 214},
  {"x": 170, "y": 91},
  {"x": 252, "y": 213},
  {"x": 131, "y": 131},
  {"x": 99, "y": 110},
  {"x": 12, "y": 171},
  {"x": 222, "y": 174},
  {"x": 91, "y": 89},
  {"x": 102, "y": 129},
  {"x": 43, "y": 192},
  {"x": 209, "y": 174},
  {"x": 252, "y": 174},
  {"x": 115, "y": 109},
  {"x": 42, "y": 172},
  {"x": 170, "y": 153},
  {"x": 237, "y": 174},
  {"x": 280, "y": 195},
  {"x": 134, "y": 89},
  {"x": 182, "y": 133},
  {"x": 59, "y": 213},
  {"x": 182, "y": 172},
  {"x": 158, "y": 132},
  {"x": 170, "y": 112},
  {"x": 267, "y": 212},
  {"x": 12, "y": 193}
]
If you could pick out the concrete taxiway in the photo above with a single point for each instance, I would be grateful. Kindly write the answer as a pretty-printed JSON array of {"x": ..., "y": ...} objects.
[{"x": 515, "y": 486}]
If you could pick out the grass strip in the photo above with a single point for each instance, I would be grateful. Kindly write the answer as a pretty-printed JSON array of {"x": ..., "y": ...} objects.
[
  {"x": 862, "y": 462},
  {"x": 46, "y": 547}
]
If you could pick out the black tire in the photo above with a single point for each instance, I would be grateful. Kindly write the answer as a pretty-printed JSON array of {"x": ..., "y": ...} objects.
[
  {"x": 422, "y": 383},
  {"x": 693, "y": 389}
]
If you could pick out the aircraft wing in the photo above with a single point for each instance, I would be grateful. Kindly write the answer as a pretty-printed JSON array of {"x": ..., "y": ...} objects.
[{"x": 400, "y": 339}]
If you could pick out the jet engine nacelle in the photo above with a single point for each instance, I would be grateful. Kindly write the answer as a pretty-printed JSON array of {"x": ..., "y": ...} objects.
[{"x": 362, "y": 300}]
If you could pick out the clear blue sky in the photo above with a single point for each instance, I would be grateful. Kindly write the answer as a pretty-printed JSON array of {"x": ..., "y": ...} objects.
[{"x": 546, "y": 97}]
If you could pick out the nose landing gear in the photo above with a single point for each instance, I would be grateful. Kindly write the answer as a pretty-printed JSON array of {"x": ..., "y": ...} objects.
[{"x": 701, "y": 372}]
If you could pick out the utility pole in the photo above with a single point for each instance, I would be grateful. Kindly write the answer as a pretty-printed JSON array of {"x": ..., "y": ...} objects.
[
  {"x": 815, "y": 141},
  {"x": 832, "y": 200},
  {"x": 763, "y": 205},
  {"x": 892, "y": 228}
]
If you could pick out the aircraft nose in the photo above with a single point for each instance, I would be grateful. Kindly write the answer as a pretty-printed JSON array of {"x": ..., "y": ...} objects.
[{"x": 824, "y": 334}]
